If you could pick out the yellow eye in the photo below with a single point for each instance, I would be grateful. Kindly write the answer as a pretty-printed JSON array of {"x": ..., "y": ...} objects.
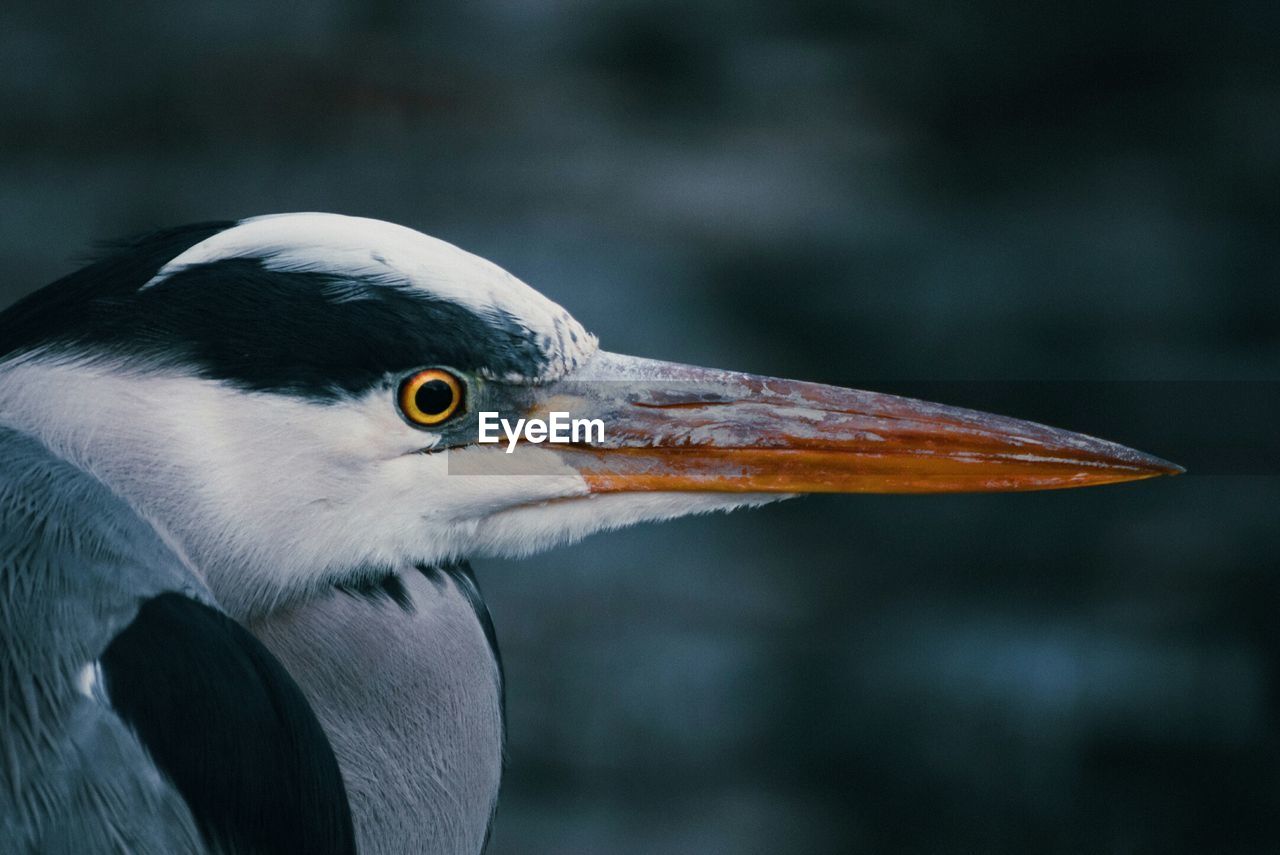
[{"x": 431, "y": 396}]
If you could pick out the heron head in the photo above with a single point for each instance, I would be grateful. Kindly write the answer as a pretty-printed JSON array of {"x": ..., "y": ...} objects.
[{"x": 299, "y": 400}]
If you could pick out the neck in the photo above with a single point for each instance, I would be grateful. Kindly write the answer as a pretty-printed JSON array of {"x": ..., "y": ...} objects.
[
  {"x": 408, "y": 688},
  {"x": 410, "y": 695}
]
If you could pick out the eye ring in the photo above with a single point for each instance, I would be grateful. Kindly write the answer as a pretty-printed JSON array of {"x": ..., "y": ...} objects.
[{"x": 430, "y": 396}]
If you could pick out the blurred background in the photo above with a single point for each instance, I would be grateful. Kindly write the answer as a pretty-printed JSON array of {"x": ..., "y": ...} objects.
[{"x": 1063, "y": 211}]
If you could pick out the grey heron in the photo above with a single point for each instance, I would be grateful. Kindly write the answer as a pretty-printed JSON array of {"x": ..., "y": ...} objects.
[{"x": 242, "y": 477}]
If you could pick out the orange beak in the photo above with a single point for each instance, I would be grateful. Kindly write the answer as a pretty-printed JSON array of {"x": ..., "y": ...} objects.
[{"x": 672, "y": 427}]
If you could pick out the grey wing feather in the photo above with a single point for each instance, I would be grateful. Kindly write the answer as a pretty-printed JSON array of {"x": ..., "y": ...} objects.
[{"x": 75, "y": 564}]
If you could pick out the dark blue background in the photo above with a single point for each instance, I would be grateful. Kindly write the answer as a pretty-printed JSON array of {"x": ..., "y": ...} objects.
[{"x": 917, "y": 196}]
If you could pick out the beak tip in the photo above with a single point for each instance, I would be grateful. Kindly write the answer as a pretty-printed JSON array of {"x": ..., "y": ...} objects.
[{"x": 1157, "y": 466}]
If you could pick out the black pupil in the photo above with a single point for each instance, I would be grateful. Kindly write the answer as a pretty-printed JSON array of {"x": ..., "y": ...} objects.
[{"x": 434, "y": 397}]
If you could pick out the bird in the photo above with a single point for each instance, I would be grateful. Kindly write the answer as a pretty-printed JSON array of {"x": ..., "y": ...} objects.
[{"x": 240, "y": 485}]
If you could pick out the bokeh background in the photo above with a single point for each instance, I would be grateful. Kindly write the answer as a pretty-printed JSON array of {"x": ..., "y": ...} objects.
[{"x": 1067, "y": 211}]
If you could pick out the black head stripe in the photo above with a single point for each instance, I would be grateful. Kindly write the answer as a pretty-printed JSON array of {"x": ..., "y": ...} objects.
[
  {"x": 226, "y": 723},
  {"x": 297, "y": 332},
  {"x": 285, "y": 331},
  {"x": 70, "y": 308}
]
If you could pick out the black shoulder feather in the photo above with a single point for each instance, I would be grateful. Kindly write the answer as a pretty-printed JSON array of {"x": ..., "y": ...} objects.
[{"x": 226, "y": 723}]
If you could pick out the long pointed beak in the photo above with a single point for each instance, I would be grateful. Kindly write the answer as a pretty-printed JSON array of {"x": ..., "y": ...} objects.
[{"x": 678, "y": 428}]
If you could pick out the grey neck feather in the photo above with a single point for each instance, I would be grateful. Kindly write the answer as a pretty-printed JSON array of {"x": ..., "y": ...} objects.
[
  {"x": 75, "y": 562},
  {"x": 411, "y": 700}
]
